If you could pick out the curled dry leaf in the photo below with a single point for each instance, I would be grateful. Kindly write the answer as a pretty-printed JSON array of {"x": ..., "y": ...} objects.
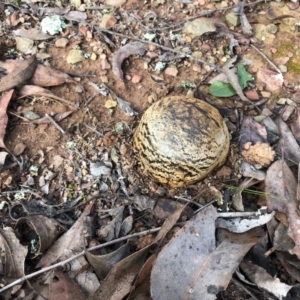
[
  {"x": 244, "y": 224},
  {"x": 22, "y": 71},
  {"x": 260, "y": 153},
  {"x": 281, "y": 189},
  {"x": 102, "y": 264},
  {"x": 134, "y": 48},
  {"x": 46, "y": 76},
  {"x": 46, "y": 231}
]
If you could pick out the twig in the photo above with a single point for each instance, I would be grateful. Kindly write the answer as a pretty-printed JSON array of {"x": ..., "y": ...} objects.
[
  {"x": 91, "y": 98},
  {"x": 55, "y": 124},
  {"x": 18, "y": 116},
  {"x": 267, "y": 59},
  {"x": 94, "y": 130},
  {"x": 208, "y": 204}
]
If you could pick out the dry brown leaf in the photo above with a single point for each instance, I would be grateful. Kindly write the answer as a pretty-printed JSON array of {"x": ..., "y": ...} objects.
[
  {"x": 288, "y": 143},
  {"x": 165, "y": 207},
  {"x": 229, "y": 71},
  {"x": 265, "y": 281},
  {"x": 9, "y": 65},
  {"x": 281, "y": 191},
  {"x": 133, "y": 48},
  {"x": 32, "y": 34},
  {"x": 260, "y": 153},
  {"x": 141, "y": 288},
  {"x": 290, "y": 263},
  {"x": 169, "y": 223},
  {"x": 13, "y": 256},
  {"x": 295, "y": 126},
  {"x": 63, "y": 288},
  {"x": 3, "y": 115},
  {"x": 32, "y": 90},
  {"x": 191, "y": 267},
  {"x": 102, "y": 264},
  {"x": 46, "y": 76},
  {"x": 19, "y": 75},
  {"x": 251, "y": 131},
  {"x": 119, "y": 280},
  {"x": 72, "y": 240}
]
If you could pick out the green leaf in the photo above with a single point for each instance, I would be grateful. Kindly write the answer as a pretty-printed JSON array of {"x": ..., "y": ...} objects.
[
  {"x": 220, "y": 89},
  {"x": 243, "y": 75}
]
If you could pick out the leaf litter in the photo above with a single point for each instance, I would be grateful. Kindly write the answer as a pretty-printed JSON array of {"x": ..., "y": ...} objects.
[{"x": 69, "y": 159}]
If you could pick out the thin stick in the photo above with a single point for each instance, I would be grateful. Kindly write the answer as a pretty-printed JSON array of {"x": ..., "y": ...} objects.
[
  {"x": 267, "y": 59},
  {"x": 55, "y": 124}
]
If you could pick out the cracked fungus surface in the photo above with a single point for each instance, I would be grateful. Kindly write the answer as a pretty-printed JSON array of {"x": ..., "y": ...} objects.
[{"x": 180, "y": 140}]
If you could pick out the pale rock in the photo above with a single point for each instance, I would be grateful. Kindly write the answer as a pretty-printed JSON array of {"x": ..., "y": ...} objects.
[
  {"x": 108, "y": 21},
  {"x": 23, "y": 44},
  {"x": 75, "y": 56},
  {"x": 105, "y": 65},
  {"x": 93, "y": 56},
  {"x": 232, "y": 19},
  {"x": 172, "y": 71},
  {"x": 265, "y": 94},
  {"x": 76, "y": 3},
  {"x": 61, "y": 43}
]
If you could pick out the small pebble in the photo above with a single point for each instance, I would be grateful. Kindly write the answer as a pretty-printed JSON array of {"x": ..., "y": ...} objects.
[
  {"x": 172, "y": 71},
  {"x": 61, "y": 43},
  {"x": 136, "y": 78}
]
